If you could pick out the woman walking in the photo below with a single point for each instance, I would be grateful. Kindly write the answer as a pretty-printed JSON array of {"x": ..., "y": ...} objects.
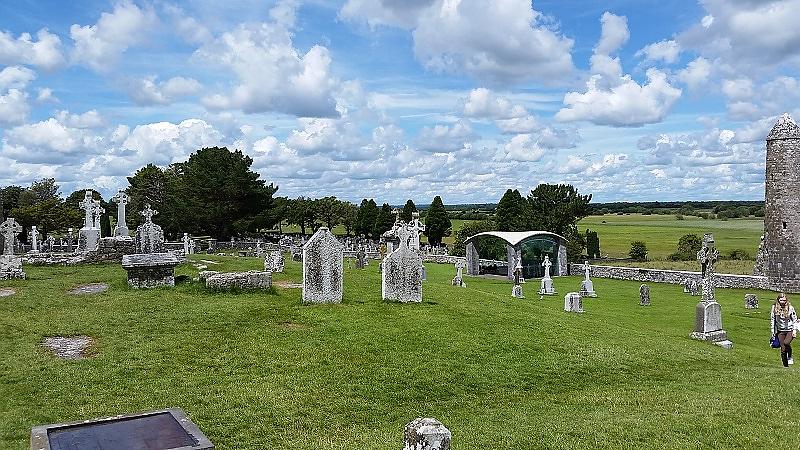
[{"x": 782, "y": 324}]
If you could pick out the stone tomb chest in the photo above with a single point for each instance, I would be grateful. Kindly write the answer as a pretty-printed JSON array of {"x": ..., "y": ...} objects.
[
  {"x": 156, "y": 430},
  {"x": 148, "y": 270}
]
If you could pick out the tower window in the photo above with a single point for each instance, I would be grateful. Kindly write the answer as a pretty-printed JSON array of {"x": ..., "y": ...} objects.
[{"x": 784, "y": 225}]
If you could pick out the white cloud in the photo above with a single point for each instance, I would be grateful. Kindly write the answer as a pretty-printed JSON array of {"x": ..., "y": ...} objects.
[
  {"x": 444, "y": 138},
  {"x": 44, "y": 53},
  {"x": 188, "y": 28},
  {"x": 738, "y": 89},
  {"x": 335, "y": 138},
  {"x": 45, "y": 95},
  {"x": 506, "y": 43},
  {"x": 696, "y": 74},
  {"x": 14, "y": 107},
  {"x": 89, "y": 119},
  {"x": 273, "y": 75},
  {"x": 148, "y": 91},
  {"x": 16, "y": 77},
  {"x": 483, "y": 103},
  {"x": 614, "y": 33},
  {"x": 667, "y": 51},
  {"x": 48, "y": 142},
  {"x": 523, "y": 147},
  {"x": 99, "y": 46}
]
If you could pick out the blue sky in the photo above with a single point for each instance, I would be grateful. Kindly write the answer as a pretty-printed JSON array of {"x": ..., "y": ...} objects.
[{"x": 629, "y": 100}]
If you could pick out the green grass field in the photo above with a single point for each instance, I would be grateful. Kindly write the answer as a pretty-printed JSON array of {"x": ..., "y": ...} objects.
[
  {"x": 340, "y": 231},
  {"x": 260, "y": 370},
  {"x": 661, "y": 233}
]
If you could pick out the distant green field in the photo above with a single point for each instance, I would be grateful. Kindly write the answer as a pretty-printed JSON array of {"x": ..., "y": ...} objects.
[
  {"x": 661, "y": 233},
  {"x": 340, "y": 231}
]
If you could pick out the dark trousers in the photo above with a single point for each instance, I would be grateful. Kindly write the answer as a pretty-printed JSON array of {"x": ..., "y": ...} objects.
[{"x": 785, "y": 338}]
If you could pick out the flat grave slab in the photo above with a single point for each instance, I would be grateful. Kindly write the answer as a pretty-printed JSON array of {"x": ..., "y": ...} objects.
[
  {"x": 167, "y": 429},
  {"x": 93, "y": 288}
]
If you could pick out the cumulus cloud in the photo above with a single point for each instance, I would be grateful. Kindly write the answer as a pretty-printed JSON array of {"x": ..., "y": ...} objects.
[
  {"x": 44, "y": 52},
  {"x": 615, "y": 99},
  {"x": 524, "y": 147},
  {"x": 49, "y": 142},
  {"x": 779, "y": 95},
  {"x": 16, "y": 77},
  {"x": 99, "y": 46},
  {"x": 444, "y": 138},
  {"x": 89, "y": 119},
  {"x": 273, "y": 75},
  {"x": 336, "y": 138},
  {"x": 14, "y": 107},
  {"x": 696, "y": 74},
  {"x": 483, "y": 103},
  {"x": 187, "y": 27},
  {"x": 149, "y": 91},
  {"x": 666, "y": 51},
  {"x": 507, "y": 43}
]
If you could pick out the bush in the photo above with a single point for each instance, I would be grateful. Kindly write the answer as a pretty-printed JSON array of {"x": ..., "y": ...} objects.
[
  {"x": 739, "y": 254},
  {"x": 679, "y": 256},
  {"x": 679, "y": 216},
  {"x": 638, "y": 251},
  {"x": 689, "y": 244}
]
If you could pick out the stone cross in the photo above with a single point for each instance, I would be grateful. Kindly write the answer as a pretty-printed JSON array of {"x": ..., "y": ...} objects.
[
  {"x": 70, "y": 231},
  {"x": 10, "y": 229},
  {"x": 97, "y": 211},
  {"x": 121, "y": 199},
  {"x": 546, "y": 264},
  {"x": 586, "y": 270},
  {"x": 415, "y": 228},
  {"x": 707, "y": 256},
  {"x": 185, "y": 243},
  {"x": 460, "y": 266},
  {"x": 148, "y": 213},
  {"x": 191, "y": 246},
  {"x": 404, "y": 233},
  {"x": 87, "y": 205},
  {"x": 34, "y": 238},
  {"x": 51, "y": 241}
]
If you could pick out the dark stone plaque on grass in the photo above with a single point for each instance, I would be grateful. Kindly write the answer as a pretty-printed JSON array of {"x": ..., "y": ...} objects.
[{"x": 168, "y": 429}]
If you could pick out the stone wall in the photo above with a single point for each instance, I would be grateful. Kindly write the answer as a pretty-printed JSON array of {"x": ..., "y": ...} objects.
[{"x": 723, "y": 280}]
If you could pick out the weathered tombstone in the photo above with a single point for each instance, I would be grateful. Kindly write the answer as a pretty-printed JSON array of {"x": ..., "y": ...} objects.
[
  {"x": 278, "y": 262},
  {"x": 251, "y": 280},
  {"x": 694, "y": 287},
  {"x": 34, "y": 239},
  {"x": 268, "y": 262},
  {"x": 458, "y": 280},
  {"x": 426, "y": 434},
  {"x": 97, "y": 212},
  {"x": 516, "y": 291},
  {"x": 401, "y": 278},
  {"x": 361, "y": 258},
  {"x": 573, "y": 302},
  {"x": 323, "y": 258},
  {"x": 423, "y": 273},
  {"x": 154, "y": 430},
  {"x": 708, "y": 313},
  {"x": 547, "y": 282},
  {"x": 750, "y": 301},
  {"x": 644, "y": 295},
  {"x": 51, "y": 242},
  {"x": 121, "y": 199},
  {"x": 473, "y": 260},
  {"x": 185, "y": 243},
  {"x": 10, "y": 265},
  {"x": 149, "y": 270},
  {"x": 192, "y": 246},
  {"x": 149, "y": 236},
  {"x": 587, "y": 287},
  {"x": 415, "y": 228},
  {"x": 687, "y": 285},
  {"x": 89, "y": 235},
  {"x": 70, "y": 241}
]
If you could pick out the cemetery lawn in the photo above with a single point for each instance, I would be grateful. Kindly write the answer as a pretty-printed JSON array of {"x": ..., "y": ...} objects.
[{"x": 260, "y": 370}]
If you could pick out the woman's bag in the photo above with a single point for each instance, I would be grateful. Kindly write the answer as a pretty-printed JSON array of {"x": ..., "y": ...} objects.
[{"x": 774, "y": 342}]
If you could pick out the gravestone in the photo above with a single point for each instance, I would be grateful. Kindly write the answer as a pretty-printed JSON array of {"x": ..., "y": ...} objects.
[
  {"x": 458, "y": 280},
  {"x": 473, "y": 260},
  {"x": 644, "y": 295},
  {"x": 516, "y": 291},
  {"x": 587, "y": 287},
  {"x": 34, "y": 239},
  {"x": 361, "y": 258},
  {"x": 10, "y": 265},
  {"x": 573, "y": 302},
  {"x": 251, "y": 280},
  {"x": 426, "y": 434},
  {"x": 694, "y": 287},
  {"x": 278, "y": 263},
  {"x": 547, "y": 282},
  {"x": 708, "y": 313},
  {"x": 121, "y": 199},
  {"x": 185, "y": 243},
  {"x": 51, "y": 242},
  {"x": 149, "y": 270},
  {"x": 323, "y": 258},
  {"x": 750, "y": 301},
  {"x": 687, "y": 283},
  {"x": 149, "y": 236},
  {"x": 415, "y": 228},
  {"x": 401, "y": 279},
  {"x": 154, "y": 430},
  {"x": 89, "y": 235}
]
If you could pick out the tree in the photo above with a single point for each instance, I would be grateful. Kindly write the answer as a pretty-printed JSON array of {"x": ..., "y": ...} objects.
[
  {"x": 557, "y": 208},
  {"x": 367, "y": 214},
  {"x": 638, "y": 251},
  {"x": 408, "y": 211},
  {"x": 437, "y": 222},
  {"x": 592, "y": 244},
  {"x": 688, "y": 246},
  {"x": 152, "y": 186},
  {"x": 384, "y": 221},
  {"x": 10, "y": 199},
  {"x": 511, "y": 214},
  {"x": 349, "y": 214},
  {"x": 44, "y": 189},
  {"x": 301, "y": 212},
  {"x": 327, "y": 211},
  {"x": 40, "y": 205},
  {"x": 488, "y": 248}
]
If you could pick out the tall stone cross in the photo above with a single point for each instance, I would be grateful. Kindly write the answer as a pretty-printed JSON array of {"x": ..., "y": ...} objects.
[
  {"x": 415, "y": 227},
  {"x": 121, "y": 199},
  {"x": 708, "y": 256},
  {"x": 87, "y": 205},
  {"x": 404, "y": 234},
  {"x": 148, "y": 213},
  {"x": 97, "y": 211},
  {"x": 186, "y": 243},
  {"x": 35, "y": 238},
  {"x": 546, "y": 264},
  {"x": 10, "y": 229},
  {"x": 586, "y": 270},
  {"x": 460, "y": 266}
]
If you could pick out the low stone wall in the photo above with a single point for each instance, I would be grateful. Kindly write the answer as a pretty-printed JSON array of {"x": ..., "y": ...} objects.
[
  {"x": 722, "y": 280},
  {"x": 447, "y": 259}
]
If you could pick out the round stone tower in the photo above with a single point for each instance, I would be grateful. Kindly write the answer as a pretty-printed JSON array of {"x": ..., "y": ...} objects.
[{"x": 782, "y": 207}]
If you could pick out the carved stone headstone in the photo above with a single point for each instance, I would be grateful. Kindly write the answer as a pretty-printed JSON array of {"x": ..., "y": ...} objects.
[
  {"x": 458, "y": 280},
  {"x": 516, "y": 291},
  {"x": 473, "y": 260},
  {"x": 34, "y": 239},
  {"x": 573, "y": 302},
  {"x": 708, "y": 313},
  {"x": 415, "y": 228},
  {"x": 694, "y": 287},
  {"x": 323, "y": 258},
  {"x": 186, "y": 243},
  {"x": 402, "y": 275},
  {"x": 750, "y": 301},
  {"x": 426, "y": 434},
  {"x": 10, "y": 265},
  {"x": 587, "y": 287},
  {"x": 121, "y": 199},
  {"x": 149, "y": 236},
  {"x": 644, "y": 295},
  {"x": 361, "y": 258},
  {"x": 547, "y": 282},
  {"x": 89, "y": 235}
]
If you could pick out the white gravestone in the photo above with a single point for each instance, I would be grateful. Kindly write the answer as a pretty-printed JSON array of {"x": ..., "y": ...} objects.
[
  {"x": 708, "y": 313},
  {"x": 547, "y": 282},
  {"x": 323, "y": 263},
  {"x": 89, "y": 235},
  {"x": 34, "y": 239},
  {"x": 587, "y": 287},
  {"x": 149, "y": 236},
  {"x": 401, "y": 278},
  {"x": 10, "y": 265},
  {"x": 573, "y": 302},
  {"x": 458, "y": 280},
  {"x": 122, "y": 199},
  {"x": 516, "y": 291},
  {"x": 97, "y": 211},
  {"x": 185, "y": 243},
  {"x": 415, "y": 228},
  {"x": 426, "y": 434}
]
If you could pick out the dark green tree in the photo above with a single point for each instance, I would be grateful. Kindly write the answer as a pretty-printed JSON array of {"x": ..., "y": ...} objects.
[
  {"x": 384, "y": 221},
  {"x": 367, "y": 215},
  {"x": 557, "y": 208},
  {"x": 328, "y": 211},
  {"x": 688, "y": 246},
  {"x": 407, "y": 213},
  {"x": 511, "y": 213},
  {"x": 491, "y": 248},
  {"x": 152, "y": 186},
  {"x": 592, "y": 244},
  {"x": 349, "y": 214},
  {"x": 638, "y": 251},
  {"x": 437, "y": 222},
  {"x": 10, "y": 198},
  {"x": 301, "y": 212}
]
